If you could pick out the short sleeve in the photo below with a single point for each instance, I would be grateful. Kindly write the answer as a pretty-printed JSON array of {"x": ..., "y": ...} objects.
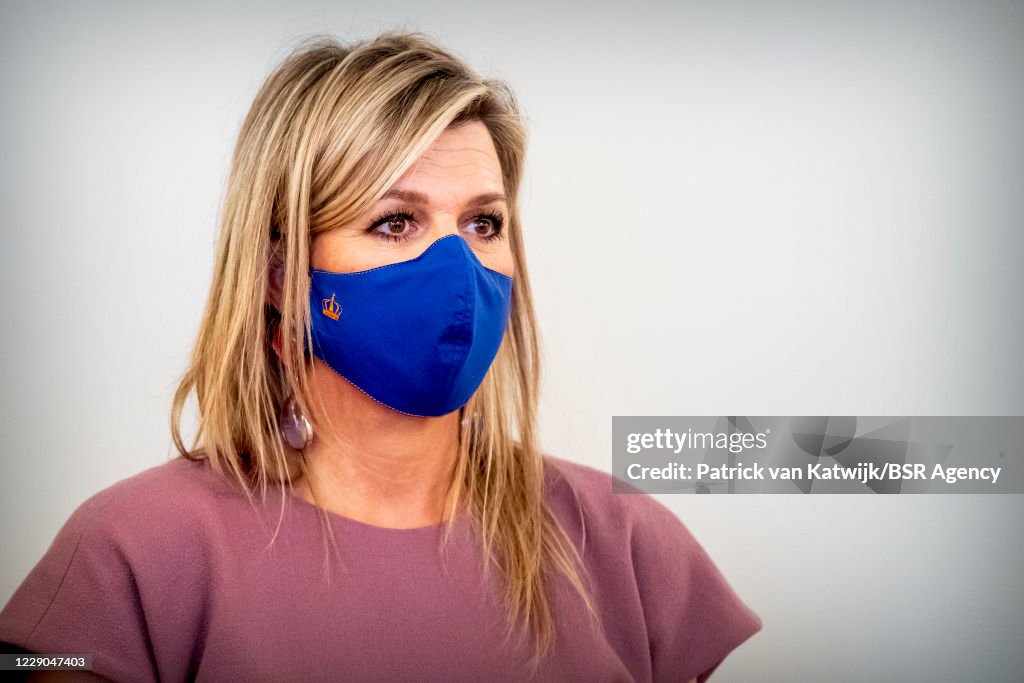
[
  {"x": 82, "y": 598},
  {"x": 694, "y": 617}
]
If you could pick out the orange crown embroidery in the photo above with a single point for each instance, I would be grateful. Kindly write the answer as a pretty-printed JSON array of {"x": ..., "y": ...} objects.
[{"x": 331, "y": 308}]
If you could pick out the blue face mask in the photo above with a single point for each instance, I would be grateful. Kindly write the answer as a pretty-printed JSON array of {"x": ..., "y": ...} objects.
[{"x": 417, "y": 336}]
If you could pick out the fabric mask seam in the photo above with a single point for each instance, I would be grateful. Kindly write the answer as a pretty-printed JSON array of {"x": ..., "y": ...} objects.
[{"x": 456, "y": 367}]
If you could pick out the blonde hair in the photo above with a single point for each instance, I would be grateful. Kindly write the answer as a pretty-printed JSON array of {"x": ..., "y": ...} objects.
[{"x": 331, "y": 130}]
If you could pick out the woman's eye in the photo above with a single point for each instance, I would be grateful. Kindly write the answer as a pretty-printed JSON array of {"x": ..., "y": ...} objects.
[
  {"x": 392, "y": 227},
  {"x": 486, "y": 227}
]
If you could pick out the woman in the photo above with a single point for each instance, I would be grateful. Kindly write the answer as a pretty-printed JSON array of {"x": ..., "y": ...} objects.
[{"x": 368, "y": 354}]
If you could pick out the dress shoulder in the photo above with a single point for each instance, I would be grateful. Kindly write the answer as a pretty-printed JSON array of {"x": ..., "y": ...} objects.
[
  {"x": 633, "y": 543},
  {"x": 131, "y": 551}
]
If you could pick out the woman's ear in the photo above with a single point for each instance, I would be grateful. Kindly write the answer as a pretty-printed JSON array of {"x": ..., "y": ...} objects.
[
  {"x": 275, "y": 289},
  {"x": 275, "y": 343},
  {"x": 275, "y": 281}
]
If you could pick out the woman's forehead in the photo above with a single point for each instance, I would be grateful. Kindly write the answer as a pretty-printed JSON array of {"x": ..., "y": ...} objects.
[{"x": 461, "y": 165}]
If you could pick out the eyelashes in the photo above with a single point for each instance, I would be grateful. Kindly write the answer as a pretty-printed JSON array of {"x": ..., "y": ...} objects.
[
  {"x": 388, "y": 217},
  {"x": 497, "y": 221},
  {"x": 494, "y": 217}
]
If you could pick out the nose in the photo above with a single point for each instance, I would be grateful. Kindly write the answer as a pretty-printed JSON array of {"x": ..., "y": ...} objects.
[{"x": 444, "y": 224}]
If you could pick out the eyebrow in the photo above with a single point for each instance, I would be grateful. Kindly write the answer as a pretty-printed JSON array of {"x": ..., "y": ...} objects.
[{"x": 420, "y": 198}]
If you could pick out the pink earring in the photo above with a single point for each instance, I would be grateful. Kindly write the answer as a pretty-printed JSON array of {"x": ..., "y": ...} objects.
[{"x": 295, "y": 428}]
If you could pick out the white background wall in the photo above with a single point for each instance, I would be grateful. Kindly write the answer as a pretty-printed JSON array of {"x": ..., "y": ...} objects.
[{"x": 731, "y": 208}]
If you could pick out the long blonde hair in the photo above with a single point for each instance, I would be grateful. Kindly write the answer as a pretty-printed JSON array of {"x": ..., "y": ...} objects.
[{"x": 331, "y": 129}]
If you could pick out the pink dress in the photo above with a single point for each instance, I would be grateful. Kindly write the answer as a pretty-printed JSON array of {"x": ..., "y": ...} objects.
[{"x": 168, "y": 576}]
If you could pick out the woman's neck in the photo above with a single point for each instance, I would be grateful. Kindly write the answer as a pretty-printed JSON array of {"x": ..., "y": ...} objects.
[{"x": 376, "y": 465}]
